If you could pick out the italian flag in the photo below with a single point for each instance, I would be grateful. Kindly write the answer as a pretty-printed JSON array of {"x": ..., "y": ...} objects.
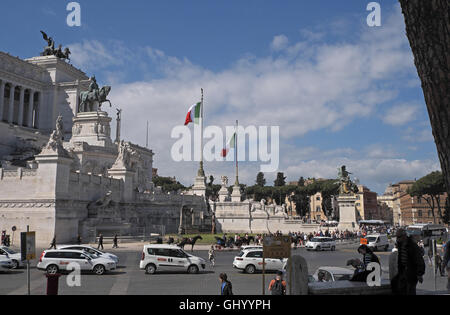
[
  {"x": 230, "y": 145},
  {"x": 194, "y": 114}
]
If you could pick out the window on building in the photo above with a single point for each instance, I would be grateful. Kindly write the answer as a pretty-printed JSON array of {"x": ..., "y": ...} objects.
[{"x": 419, "y": 213}]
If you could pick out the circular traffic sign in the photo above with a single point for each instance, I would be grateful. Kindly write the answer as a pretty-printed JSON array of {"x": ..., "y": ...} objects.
[{"x": 14, "y": 228}]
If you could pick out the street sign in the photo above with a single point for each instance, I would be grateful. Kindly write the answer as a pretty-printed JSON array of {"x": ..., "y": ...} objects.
[
  {"x": 28, "y": 245},
  {"x": 277, "y": 247}
]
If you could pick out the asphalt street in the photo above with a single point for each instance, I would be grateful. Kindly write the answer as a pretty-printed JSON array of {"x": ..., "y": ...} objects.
[{"x": 129, "y": 279}]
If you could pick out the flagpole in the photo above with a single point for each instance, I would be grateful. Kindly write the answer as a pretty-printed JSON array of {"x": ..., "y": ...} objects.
[
  {"x": 236, "y": 154},
  {"x": 201, "y": 172}
]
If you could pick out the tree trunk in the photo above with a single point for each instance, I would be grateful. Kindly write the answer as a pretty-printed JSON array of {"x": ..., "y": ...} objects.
[{"x": 428, "y": 30}]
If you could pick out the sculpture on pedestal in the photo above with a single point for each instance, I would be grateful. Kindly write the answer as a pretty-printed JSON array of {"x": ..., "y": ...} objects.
[
  {"x": 55, "y": 143},
  {"x": 50, "y": 50},
  {"x": 347, "y": 187},
  {"x": 92, "y": 100}
]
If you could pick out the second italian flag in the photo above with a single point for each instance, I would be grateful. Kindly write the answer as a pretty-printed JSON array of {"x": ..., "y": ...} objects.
[{"x": 230, "y": 145}]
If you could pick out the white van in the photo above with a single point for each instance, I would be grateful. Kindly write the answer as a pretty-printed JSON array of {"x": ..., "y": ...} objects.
[
  {"x": 160, "y": 257},
  {"x": 378, "y": 242}
]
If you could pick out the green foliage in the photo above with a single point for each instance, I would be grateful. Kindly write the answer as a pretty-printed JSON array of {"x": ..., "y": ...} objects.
[
  {"x": 168, "y": 184},
  {"x": 260, "y": 180},
  {"x": 431, "y": 184},
  {"x": 280, "y": 180}
]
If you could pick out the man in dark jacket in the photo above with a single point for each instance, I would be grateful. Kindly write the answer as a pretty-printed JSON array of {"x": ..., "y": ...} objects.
[
  {"x": 411, "y": 266},
  {"x": 446, "y": 262},
  {"x": 226, "y": 287}
]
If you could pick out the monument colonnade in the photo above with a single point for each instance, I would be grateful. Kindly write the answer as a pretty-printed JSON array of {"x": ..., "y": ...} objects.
[{"x": 22, "y": 110}]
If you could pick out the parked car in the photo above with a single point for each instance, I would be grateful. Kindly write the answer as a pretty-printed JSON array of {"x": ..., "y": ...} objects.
[
  {"x": 91, "y": 250},
  {"x": 160, "y": 257},
  {"x": 378, "y": 242},
  {"x": 5, "y": 263},
  {"x": 333, "y": 274},
  {"x": 251, "y": 261},
  {"x": 14, "y": 256},
  {"x": 57, "y": 260},
  {"x": 321, "y": 243}
]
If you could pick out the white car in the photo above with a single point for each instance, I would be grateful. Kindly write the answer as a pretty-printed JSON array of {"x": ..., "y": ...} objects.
[
  {"x": 5, "y": 263},
  {"x": 54, "y": 261},
  {"x": 91, "y": 250},
  {"x": 159, "y": 257},
  {"x": 321, "y": 243},
  {"x": 15, "y": 257},
  {"x": 251, "y": 261},
  {"x": 333, "y": 274},
  {"x": 378, "y": 242}
]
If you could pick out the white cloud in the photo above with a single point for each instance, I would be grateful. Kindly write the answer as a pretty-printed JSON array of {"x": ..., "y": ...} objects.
[
  {"x": 401, "y": 114},
  {"x": 279, "y": 42},
  {"x": 308, "y": 86}
]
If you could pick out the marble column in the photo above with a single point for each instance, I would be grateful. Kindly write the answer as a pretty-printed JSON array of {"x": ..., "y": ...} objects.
[
  {"x": 11, "y": 103},
  {"x": 2, "y": 98},
  {"x": 38, "y": 109},
  {"x": 30, "y": 109},
  {"x": 21, "y": 106}
]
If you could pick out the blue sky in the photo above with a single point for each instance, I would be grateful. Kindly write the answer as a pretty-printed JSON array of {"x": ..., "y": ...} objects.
[{"x": 341, "y": 92}]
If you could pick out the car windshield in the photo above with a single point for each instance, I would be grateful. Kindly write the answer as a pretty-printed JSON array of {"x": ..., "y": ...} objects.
[
  {"x": 317, "y": 240},
  {"x": 187, "y": 255},
  {"x": 371, "y": 239},
  {"x": 9, "y": 251}
]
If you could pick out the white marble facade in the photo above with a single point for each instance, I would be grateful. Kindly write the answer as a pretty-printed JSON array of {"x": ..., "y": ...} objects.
[{"x": 90, "y": 183}]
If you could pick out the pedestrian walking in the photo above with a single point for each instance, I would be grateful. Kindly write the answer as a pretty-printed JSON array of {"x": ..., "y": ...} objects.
[
  {"x": 278, "y": 286},
  {"x": 212, "y": 256},
  {"x": 79, "y": 240},
  {"x": 53, "y": 243},
  {"x": 411, "y": 266},
  {"x": 226, "y": 288},
  {"x": 115, "y": 242},
  {"x": 100, "y": 241}
]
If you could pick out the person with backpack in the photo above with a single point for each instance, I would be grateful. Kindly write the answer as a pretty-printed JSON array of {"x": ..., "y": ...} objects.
[
  {"x": 278, "y": 286},
  {"x": 411, "y": 266},
  {"x": 226, "y": 288}
]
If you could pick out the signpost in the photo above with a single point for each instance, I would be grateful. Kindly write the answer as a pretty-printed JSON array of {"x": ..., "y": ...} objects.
[
  {"x": 276, "y": 247},
  {"x": 28, "y": 250}
]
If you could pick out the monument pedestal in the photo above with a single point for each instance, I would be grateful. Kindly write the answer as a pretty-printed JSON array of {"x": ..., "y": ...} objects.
[
  {"x": 92, "y": 128},
  {"x": 223, "y": 194},
  {"x": 236, "y": 195},
  {"x": 347, "y": 213},
  {"x": 127, "y": 177},
  {"x": 199, "y": 188}
]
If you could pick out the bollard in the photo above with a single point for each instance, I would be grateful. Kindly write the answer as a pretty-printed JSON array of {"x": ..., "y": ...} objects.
[{"x": 52, "y": 284}]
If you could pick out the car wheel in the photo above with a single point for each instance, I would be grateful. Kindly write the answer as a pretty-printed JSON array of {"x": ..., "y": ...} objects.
[
  {"x": 99, "y": 270},
  {"x": 250, "y": 269},
  {"x": 333, "y": 248},
  {"x": 318, "y": 248},
  {"x": 150, "y": 269},
  {"x": 386, "y": 248},
  {"x": 52, "y": 269},
  {"x": 15, "y": 264},
  {"x": 193, "y": 269}
]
